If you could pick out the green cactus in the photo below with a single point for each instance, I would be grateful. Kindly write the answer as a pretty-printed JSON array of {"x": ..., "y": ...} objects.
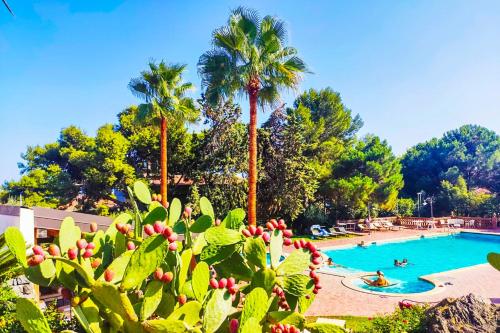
[
  {"x": 174, "y": 213},
  {"x": 163, "y": 285},
  {"x": 206, "y": 207},
  {"x": 141, "y": 192},
  {"x": 31, "y": 317},
  {"x": 152, "y": 298}
]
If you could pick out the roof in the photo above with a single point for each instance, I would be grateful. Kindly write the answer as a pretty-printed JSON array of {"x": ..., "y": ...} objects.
[{"x": 48, "y": 218}]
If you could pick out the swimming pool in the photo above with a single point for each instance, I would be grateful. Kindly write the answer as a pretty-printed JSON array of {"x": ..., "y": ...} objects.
[{"x": 426, "y": 256}]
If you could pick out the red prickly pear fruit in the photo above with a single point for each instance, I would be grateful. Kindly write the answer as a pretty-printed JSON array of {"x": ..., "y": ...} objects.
[
  {"x": 315, "y": 291},
  {"x": 35, "y": 260},
  {"x": 167, "y": 277},
  {"x": 266, "y": 237},
  {"x": 274, "y": 223},
  {"x": 217, "y": 222},
  {"x": 182, "y": 299},
  {"x": 167, "y": 231},
  {"x": 222, "y": 283},
  {"x": 281, "y": 227},
  {"x": 316, "y": 279},
  {"x": 287, "y": 241},
  {"x": 252, "y": 229},
  {"x": 126, "y": 229},
  {"x": 158, "y": 274},
  {"x": 149, "y": 230},
  {"x": 318, "y": 286},
  {"x": 38, "y": 250},
  {"x": 270, "y": 226},
  {"x": 316, "y": 261},
  {"x": 312, "y": 274},
  {"x": 66, "y": 293},
  {"x": 281, "y": 326},
  {"x": 246, "y": 233},
  {"x": 72, "y": 253},
  {"x": 188, "y": 210},
  {"x": 96, "y": 263},
  {"x": 233, "y": 325},
  {"x": 231, "y": 282},
  {"x": 259, "y": 231},
  {"x": 90, "y": 246},
  {"x": 81, "y": 244},
  {"x": 312, "y": 267},
  {"x": 130, "y": 245},
  {"x": 119, "y": 227},
  {"x": 172, "y": 238},
  {"x": 54, "y": 250},
  {"x": 109, "y": 275},
  {"x": 296, "y": 244},
  {"x": 158, "y": 197},
  {"x": 158, "y": 227},
  {"x": 287, "y": 233},
  {"x": 316, "y": 254},
  {"x": 154, "y": 197},
  {"x": 308, "y": 296},
  {"x": 172, "y": 246},
  {"x": 233, "y": 290},
  {"x": 302, "y": 243},
  {"x": 87, "y": 254},
  {"x": 93, "y": 227},
  {"x": 213, "y": 283}
]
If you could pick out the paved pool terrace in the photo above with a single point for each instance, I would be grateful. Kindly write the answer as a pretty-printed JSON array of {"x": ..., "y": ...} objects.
[{"x": 337, "y": 299}]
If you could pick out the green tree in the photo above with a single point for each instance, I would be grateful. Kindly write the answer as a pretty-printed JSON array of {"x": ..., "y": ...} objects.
[
  {"x": 219, "y": 156},
  {"x": 76, "y": 166},
  {"x": 144, "y": 138},
  {"x": 470, "y": 151},
  {"x": 328, "y": 126},
  {"x": 458, "y": 198},
  {"x": 367, "y": 178},
  {"x": 250, "y": 58},
  {"x": 163, "y": 91},
  {"x": 288, "y": 181}
]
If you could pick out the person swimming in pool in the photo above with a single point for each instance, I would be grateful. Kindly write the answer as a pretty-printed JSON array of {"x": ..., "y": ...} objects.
[
  {"x": 397, "y": 263},
  {"x": 362, "y": 244},
  {"x": 380, "y": 281},
  {"x": 404, "y": 263},
  {"x": 329, "y": 262}
]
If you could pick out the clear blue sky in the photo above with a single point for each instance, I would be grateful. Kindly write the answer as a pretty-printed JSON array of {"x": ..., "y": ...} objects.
[{"x": 411, "y": 69}]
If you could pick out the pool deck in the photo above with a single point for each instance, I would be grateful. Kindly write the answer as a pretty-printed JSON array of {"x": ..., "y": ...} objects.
[{"x": 336, "y": 299}]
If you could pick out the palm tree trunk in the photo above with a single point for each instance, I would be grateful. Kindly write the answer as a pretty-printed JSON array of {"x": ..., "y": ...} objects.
[
  {"x": 252, "y": 159},
  {"x": 163, "y": 161}
]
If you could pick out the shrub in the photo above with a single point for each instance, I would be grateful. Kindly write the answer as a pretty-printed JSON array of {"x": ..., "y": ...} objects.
[
  {"x": 9, "y": 323},
  {"x": 138, "y": 276},
  {"x": 408, "y": 318}
]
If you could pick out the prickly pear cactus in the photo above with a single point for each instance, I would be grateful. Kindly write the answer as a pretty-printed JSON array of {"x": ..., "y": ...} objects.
[{"x": 164, "y": 270}]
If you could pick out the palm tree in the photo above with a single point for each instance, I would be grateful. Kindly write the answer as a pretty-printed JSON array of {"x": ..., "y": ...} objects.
[
  {"x": 163, "y": 91},
  {"x": 250, "y": 58}
]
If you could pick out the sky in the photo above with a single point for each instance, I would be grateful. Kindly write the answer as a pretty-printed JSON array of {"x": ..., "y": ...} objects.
[{"x": 411, "y": 69}]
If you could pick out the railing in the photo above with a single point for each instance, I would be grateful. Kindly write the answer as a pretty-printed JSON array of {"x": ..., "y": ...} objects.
[{"x": 427, "y": 222}]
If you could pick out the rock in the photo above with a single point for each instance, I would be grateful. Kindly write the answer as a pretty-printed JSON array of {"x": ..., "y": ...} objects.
[{"x": 467, "y": 314}]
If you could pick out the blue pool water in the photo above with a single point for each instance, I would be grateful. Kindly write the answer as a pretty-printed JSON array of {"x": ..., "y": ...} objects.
[{"x": 426, "y": 256}]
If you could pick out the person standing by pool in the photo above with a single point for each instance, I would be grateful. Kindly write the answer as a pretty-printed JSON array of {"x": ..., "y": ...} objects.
[{"x": 380, "y": 281}]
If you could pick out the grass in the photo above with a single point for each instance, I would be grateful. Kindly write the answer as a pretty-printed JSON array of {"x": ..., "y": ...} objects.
[{"x": 356, "y": 324}]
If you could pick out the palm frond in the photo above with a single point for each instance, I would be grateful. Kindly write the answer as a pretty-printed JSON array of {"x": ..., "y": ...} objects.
[{"x": 8, "y": 7}]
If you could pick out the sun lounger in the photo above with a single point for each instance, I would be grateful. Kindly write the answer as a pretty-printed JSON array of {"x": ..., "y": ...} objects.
[
  {"x": 391, "y": 226},
  {"x": 378, "y": 226},
  {"x": 338, "y": 231},
  {"x": 319, "y": 232},
  {"x": 363, "y": 228},
  {"x": 343, "y": 231}
]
